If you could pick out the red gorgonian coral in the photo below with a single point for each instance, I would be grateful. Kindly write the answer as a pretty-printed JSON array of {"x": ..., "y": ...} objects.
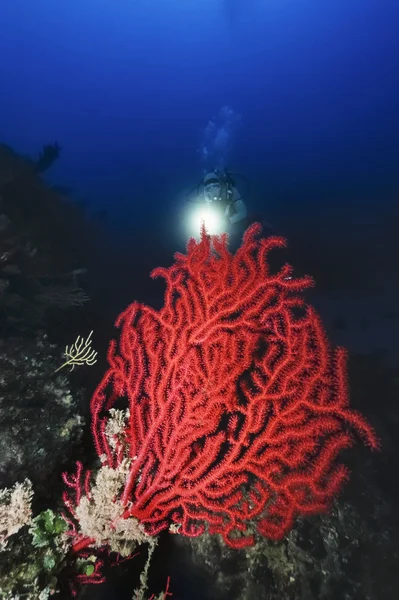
[{"x": 238, "y": 408}]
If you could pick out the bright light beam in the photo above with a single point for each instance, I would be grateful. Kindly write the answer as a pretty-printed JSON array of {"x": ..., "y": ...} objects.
[{"x": 211, "y": 215}]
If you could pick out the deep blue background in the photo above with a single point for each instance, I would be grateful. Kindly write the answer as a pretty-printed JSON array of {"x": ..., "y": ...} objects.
[{"x": 127, "y": 88}]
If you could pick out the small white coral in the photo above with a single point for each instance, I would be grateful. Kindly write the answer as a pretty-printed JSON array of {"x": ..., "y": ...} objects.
[
  {"x": 15, "y": 510},
  {"x": 100, "y": 516},
  {"x": 116, "y": 427}
]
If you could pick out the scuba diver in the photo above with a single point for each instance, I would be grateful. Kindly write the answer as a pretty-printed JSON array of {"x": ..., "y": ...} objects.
[
  {"x": 219, "y": 189},
  {"x": 217, "y": 202}
]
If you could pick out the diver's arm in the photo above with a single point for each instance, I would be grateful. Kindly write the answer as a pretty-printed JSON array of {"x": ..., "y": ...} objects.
[
  {"x": 240, "y": 212},
  {"x": 236, "y": 211}
]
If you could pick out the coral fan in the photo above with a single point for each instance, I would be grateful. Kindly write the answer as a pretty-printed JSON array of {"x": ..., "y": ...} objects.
[{"x": 238, "y": 407}]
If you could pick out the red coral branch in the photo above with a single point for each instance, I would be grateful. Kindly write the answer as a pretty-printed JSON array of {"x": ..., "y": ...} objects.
[
  {"x": 77, "y": 484},
  {"x": 238, "y": 406},
  {"x": 165, "y": 593}
]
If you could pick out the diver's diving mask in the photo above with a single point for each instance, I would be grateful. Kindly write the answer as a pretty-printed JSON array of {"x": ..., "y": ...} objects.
[{"x": 213, "y": 191}]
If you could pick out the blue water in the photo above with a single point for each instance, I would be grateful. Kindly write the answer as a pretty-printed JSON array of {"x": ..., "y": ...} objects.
[{"x": 127, "y": 88}]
